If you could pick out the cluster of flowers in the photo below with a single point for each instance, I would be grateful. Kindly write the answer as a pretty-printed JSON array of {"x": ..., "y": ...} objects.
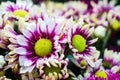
[{"x": 74, "y": 40}]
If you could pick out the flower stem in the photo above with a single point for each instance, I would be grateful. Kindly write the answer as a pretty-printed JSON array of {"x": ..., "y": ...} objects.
[{"x": 105, "y": 40}]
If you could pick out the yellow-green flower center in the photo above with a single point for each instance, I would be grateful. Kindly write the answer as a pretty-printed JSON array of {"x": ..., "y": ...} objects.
[
  {"x": 43, "y": 47},
  {"x": 20, "y": 13},
  {"x": 115, "y": 24},
  {"x": 83, "y": 62},
  {"x": 79, "y": 43},
  {"x": 51, "y": 69},
  {"x": 101, "y": 74}
]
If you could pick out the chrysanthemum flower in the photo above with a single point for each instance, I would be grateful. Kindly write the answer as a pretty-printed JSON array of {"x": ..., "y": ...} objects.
[
  {"x": 111, "y": 59},
  {"x": 84, "y": 62},
  {"x": 114, "y": 18},
  {"x": 99, "y": 73},
  {"x": 7, "y": 35},
  {"x": 39, "y": 43},
  {"x": 104, "y": 75},
  {"x": 67, "y": 10},
  {"x": 11, "y": 57},
  {"x": 78, "y": 39},
  {"x": 16, "y": 10},
  {"x": 99, "y": 13},
  {"x": 102, "y": 6},
  {"x": 53, "y": 68}
]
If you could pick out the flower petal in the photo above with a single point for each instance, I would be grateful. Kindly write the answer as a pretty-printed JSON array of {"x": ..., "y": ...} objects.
[
  {"x": 92, "y": 41},
  {"x": 24, "y": 61},
  {"x": 22, "y": 51},
  {"x": 22, "y": 40},
  {"x": 26, "y": 69},
  {"x": 26, "y": 33}
]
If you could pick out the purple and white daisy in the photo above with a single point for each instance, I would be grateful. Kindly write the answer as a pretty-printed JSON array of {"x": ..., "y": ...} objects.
[
  {"x": 99, "y": 13},
  {"x": 102, "y": 7},
  {"x": 84, "y": 61},
  {"x": 99, "y": 73},
  {"x": 40, "y": 43},
  {"x": 20, "y": 9},
  {"x": 67, "y": 9},
  {"x": 111, "y": 59},
  {"x": 102, "y": 75},
  {"x": 78, "y": 39},
  {"x": 114, "y": 18},
  {"x": 70, "y": 10}
]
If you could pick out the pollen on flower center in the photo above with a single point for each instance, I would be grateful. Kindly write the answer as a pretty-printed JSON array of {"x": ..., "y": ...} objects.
[
  {"x": 20, "y": 13},
  {"x": 43, "y": 47},
  {"x": 79, "y": 42},
  {"x": 51, "y": 69},
  {"x": 101, "y": 74}
]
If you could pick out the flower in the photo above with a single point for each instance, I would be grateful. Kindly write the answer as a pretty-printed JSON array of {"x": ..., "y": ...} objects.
[
  {"x": 102, "y": 6},
  {"x": 39, "y": 45},
  {"x": 98, "y": 72},
  {"x": 53, "y": 68},
  {"x": 84, "y": 62},
  {"x": 16, "y": 10},
  {"x": 104, "y": 75},
  {"x": 70, "y": 10},
  {"x": 67, "y": 10},
  {"x": 111, "y": 59},
  {"x": 114, "y": 18},
  {"x": 78, "y": 36},
  {"x": 39, "y": 42},
  {"x": 46, "y": 42},
  {"x": 99, "y": 13}
]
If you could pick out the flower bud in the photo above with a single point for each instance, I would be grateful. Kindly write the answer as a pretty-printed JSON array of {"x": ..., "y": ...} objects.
[{"x": 100, "y": 31}]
